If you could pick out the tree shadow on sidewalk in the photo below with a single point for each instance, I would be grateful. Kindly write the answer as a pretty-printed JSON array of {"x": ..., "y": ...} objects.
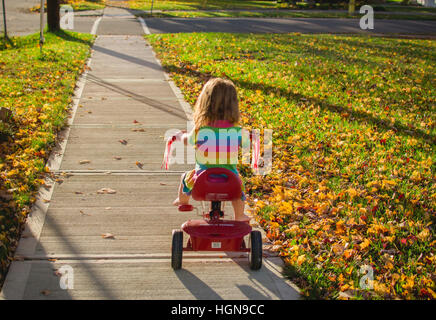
[
  {"x": 199, "y": 289},
  {"x": 170, "y": 109},
  {"x": 34, "y": 275},
  {"x": 264, "y": 284}
]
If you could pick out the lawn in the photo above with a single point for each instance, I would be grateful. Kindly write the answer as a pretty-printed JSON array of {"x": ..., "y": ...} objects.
[
  {"x": 200, "y": 4},
  {"x": 258, "y": 9},
  {"x": 403, "y": 8},
  {"x": 353, "y": 177},
  {"x": 78, "y": 5},
  {"x": 37, "y": 89}
]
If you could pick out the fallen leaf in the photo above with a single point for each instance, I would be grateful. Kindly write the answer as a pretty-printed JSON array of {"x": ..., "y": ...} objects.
[
  {"x": 83, "y": 213},
  {"x": 139, "y": 164},
  {"x": 348, "y": 253},
  {"x": 424, "y": 234},
  {"x": 364, "y": 244},
  {"x": 122, "y": 141},
  {"x": 301, "y": 259},
  {"x": 338, "y": 249},
  {"x": 84, "y": 161},
  {"x": 45, "y": 292},
  {"x": 106, "y": 191},
  {"x": 108, "y": 236}
]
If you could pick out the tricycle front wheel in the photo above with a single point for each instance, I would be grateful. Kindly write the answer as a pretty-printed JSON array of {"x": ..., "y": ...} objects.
[{"x": 177, "y": 249}]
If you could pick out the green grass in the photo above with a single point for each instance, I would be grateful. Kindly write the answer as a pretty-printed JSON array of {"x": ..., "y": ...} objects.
[
  {"x": 200, "y": 4},
  {"x": 88, "y": 5},
  {"x": 262, "y": 9},
  {"x": 354, "y": 153},
  {"x": 38, "y": 89},
  {"x": 403, "y": 8},
  {"x": 77, "y": 5}
]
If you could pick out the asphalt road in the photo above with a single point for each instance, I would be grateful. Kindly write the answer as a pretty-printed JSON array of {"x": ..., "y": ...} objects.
[
  {"x": 20, "y": 21},
  {"x": 274, "y": 25}
]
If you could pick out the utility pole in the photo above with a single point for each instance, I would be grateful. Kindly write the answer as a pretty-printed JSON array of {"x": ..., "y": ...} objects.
[
  {"x": 4, "y": 21},
  {"x": 41, "y": 26},
  {"x": 351, "y": 7}
]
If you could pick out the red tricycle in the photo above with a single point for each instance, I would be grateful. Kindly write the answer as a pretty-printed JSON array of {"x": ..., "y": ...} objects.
[{"x": 213, "y": 233}]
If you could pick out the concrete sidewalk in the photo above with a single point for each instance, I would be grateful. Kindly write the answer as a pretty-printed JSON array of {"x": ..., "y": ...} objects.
[{"x": 125, "y": 90}]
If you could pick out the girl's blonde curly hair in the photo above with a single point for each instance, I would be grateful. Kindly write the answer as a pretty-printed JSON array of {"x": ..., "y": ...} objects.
[{"x": 218, "y": 100}]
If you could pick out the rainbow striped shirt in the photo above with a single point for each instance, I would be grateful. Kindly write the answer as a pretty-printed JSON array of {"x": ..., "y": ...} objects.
[{"x": 217, "y": 145}]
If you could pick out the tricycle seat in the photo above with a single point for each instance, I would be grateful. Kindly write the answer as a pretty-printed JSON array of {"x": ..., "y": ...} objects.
[{"x": 217, "y": 184}]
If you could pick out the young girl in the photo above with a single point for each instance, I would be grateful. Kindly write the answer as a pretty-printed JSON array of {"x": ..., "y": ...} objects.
[{"x": 216, "y": 115}]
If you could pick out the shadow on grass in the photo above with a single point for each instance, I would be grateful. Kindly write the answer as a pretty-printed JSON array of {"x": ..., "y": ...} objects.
[
  {"x": 33, "y": 39},
  {"x": 381, "y": 124},
  {"x": 70, "y": 36}
]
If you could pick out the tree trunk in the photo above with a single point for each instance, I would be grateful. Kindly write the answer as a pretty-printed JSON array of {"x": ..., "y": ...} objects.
[
  {"x": 53, "y": 15},
  {"x": 351, "y": 7}
]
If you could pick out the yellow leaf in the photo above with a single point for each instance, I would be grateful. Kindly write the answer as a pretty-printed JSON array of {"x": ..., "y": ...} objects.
[
  {"x": 301, "y": 259},
  {"x": 348, "y": 253},
  {"x": 345, "y": 287},
  {"x": 340, "y": 227},
  {"x": 433, "y": 294},
  {"x": 364, "y": 244},
  {"x": 424, "y": 234},
  {"x": 380, "y": 288},
  {"x": 352, "y": 192}
]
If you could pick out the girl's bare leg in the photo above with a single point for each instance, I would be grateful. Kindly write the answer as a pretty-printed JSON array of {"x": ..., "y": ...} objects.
[
  {"x": 183, "y": 198},
  {"x": 238, "y": 206}
]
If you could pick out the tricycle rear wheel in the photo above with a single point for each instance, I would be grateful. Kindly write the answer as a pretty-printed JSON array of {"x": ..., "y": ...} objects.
[
  {"x": 255, "y": 255},
  {"x": 177, "y": 249}
]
